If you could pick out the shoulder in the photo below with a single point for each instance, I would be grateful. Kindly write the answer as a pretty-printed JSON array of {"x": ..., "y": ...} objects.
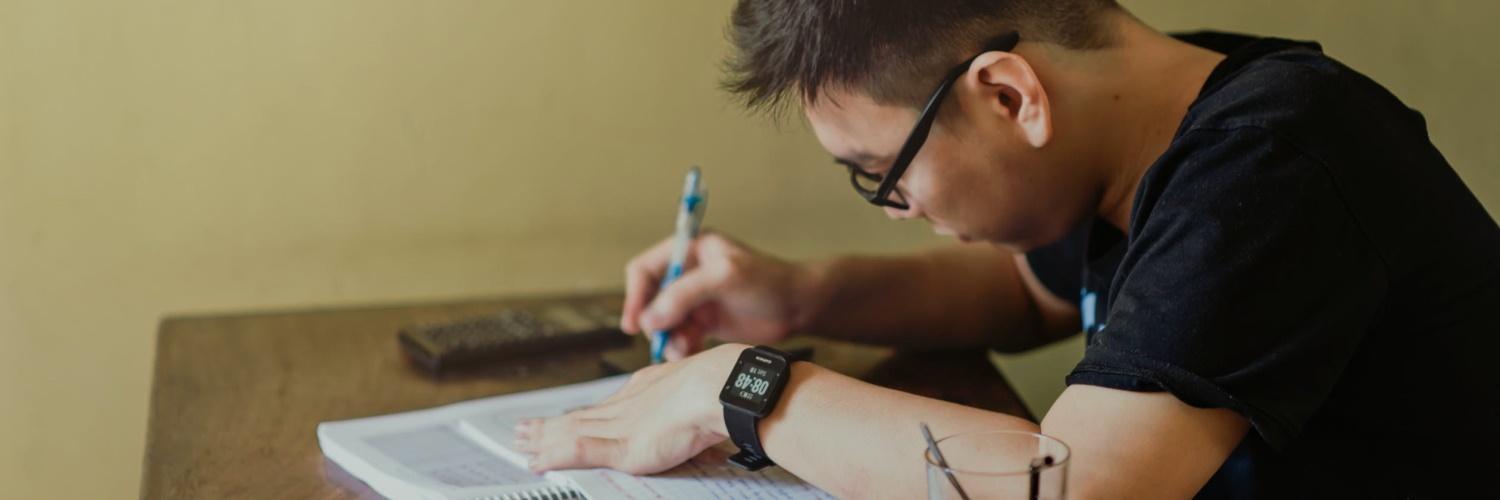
[
  {"x": 1279, "y": 127},
  {"x": 1295, "y": 92},
  {"x": 1221, "y": 178},
  {"x": 1284, "y": 127}
]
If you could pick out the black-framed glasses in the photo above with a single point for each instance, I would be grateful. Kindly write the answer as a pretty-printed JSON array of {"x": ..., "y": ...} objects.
[{"x": 878, "y": 189}]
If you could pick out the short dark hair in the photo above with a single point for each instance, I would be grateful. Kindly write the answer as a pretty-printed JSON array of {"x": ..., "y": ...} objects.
[{"x": 893, "y": 50}]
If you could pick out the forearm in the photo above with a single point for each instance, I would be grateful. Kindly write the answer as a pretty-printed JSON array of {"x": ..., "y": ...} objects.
[
  {"x": 966, "y": 295},
  {"x": 859, "y": 440}
]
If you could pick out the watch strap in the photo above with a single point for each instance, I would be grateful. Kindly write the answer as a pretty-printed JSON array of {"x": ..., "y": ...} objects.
[{"x": 744, "y": 432}]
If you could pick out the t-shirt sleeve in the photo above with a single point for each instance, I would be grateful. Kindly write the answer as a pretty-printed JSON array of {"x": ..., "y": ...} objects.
[{"x": 1248, "y": 284}]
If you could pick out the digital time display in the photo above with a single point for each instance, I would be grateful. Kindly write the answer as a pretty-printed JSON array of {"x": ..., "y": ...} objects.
[{"x": 752, "y": 383}]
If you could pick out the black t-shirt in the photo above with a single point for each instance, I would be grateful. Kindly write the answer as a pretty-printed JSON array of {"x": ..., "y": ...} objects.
[{"x": 1302, "y": 255}]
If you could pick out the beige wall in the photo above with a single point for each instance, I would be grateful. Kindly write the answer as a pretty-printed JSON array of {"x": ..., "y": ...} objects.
[{"x": 170, "y": 156}]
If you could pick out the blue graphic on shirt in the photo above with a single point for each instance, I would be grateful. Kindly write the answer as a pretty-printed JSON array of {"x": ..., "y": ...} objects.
[{"x": 1087, "y": 305}]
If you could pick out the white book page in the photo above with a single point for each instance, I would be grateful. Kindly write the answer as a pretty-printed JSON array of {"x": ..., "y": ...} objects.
[
  {"x": 706, "y": 476},
  {"x": 494, "y": 426},
  {"x": 467, "y": 450},
  {"x": 434, "y": 461},
  {"x": 430, "y": 453},
  {"x": 442, "y": 454}
]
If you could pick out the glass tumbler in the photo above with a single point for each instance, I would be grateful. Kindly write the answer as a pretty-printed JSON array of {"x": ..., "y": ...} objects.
[{"x": 1000, "y": 465}]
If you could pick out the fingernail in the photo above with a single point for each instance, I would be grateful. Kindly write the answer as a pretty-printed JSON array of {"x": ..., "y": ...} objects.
[{"x": 650, "y": 319}]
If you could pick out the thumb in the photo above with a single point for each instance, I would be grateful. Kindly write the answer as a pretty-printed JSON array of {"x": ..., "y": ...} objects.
[{"x": 672, "y": 305}]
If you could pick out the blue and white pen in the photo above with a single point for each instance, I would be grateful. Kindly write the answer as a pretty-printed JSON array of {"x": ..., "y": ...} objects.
[{"x": 689, "y": 217}]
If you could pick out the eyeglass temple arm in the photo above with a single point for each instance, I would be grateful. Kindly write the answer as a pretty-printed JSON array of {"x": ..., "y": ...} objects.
[{"x": 1002, "y": 43}]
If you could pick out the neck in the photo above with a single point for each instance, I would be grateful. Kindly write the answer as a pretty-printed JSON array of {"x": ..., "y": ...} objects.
[{"x": 1130, "y": 100}]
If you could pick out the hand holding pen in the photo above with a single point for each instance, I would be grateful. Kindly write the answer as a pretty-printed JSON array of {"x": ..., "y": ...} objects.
[{"x": 712, "y": 286}]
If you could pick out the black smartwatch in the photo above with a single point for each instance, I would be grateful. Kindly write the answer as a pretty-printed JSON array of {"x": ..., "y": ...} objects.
[{"x": 749, "y": 395}]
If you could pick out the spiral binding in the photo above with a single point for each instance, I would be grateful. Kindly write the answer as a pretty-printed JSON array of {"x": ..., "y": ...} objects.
[{"x": 546, "y": 493}]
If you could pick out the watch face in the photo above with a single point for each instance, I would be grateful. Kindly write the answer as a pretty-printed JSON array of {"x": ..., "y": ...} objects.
[{"x": 755, "y": 383}]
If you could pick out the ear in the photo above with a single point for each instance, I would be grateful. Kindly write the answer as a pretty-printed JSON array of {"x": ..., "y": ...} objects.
[{"x": 1011, "y": 90}]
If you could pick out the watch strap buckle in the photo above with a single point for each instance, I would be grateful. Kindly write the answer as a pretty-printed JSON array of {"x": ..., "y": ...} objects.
[{"x": 750, "y": 461}]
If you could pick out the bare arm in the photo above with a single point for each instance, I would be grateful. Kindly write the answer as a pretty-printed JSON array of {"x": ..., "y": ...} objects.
[
  {"x": 858, "y": 440},
  {"x": 964, "y": 295},
  {"x": 1151, "y": 446}
]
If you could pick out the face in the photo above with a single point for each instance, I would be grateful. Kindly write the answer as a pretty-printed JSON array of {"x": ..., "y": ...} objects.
[{"x": 974, "y": 179}]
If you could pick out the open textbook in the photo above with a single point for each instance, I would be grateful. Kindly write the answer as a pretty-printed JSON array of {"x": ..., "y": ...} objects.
[{"x": 465, "y": 451}]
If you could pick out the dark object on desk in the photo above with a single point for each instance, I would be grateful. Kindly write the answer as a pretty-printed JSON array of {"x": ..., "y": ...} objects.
[{"x": 510, "y": 334}]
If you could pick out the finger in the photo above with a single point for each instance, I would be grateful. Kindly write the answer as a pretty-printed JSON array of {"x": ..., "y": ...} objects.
[
  {"x": 642, "y": 275},
  {"x": 688, "y": 335},
  {"x": 526, "y": 432},
  {"x": 579, "y": 453},
  {"x": 685, "y": 341},
  {"x": 537, "y": 434},
  {"x": 602, "y": 410},
  {"x": 677, "y": 347},
  {"x": 573, "y": 425},
  {"x": 672, "y": 305},
  {"x": 690, "y": 345}
]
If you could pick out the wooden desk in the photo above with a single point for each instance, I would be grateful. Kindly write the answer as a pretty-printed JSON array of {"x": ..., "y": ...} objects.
[{"x": 236, "y": 398}]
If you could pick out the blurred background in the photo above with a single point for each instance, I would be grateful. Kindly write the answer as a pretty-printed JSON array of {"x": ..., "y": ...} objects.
[{"x": 164, "y": 156}]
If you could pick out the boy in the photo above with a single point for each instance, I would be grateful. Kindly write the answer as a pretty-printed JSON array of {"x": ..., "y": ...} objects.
[{"x": 1284, "y": 286}]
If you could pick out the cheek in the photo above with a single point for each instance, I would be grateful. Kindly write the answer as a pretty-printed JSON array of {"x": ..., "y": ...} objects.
[
  {"x": 1028, "y": 211},
  {"x": 954, "y": 195},
  {"x": 978, "y": 190},
  {"x": 993, "y": 200}
]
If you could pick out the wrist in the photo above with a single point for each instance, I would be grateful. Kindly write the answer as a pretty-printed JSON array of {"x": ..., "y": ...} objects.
[
  {"x": 717, "y": 364},
  {"x": 812, "y": 292}
]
